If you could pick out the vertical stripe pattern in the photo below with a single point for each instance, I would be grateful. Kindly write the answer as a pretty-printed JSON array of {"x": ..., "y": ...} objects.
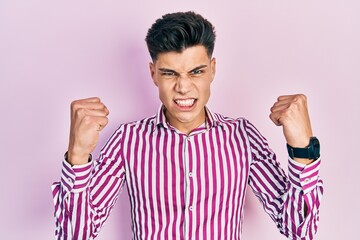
[{"x": 187, "y": 186}]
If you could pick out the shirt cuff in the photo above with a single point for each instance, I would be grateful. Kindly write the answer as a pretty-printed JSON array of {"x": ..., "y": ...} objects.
[
  {"x": 304, "y": 177},
  {"x": 75, "y": 178}
]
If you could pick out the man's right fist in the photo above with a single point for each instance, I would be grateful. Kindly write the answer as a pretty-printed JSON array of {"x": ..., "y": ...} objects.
[{"x": 88, "y": 118}]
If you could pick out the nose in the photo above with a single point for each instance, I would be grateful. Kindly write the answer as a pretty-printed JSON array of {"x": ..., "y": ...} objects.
[{"x": 183, "y": 84}]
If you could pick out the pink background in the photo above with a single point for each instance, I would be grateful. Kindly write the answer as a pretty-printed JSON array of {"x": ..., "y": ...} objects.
[{"x": 52, "y": 52}]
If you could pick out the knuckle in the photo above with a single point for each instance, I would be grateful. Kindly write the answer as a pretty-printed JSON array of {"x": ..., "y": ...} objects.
[
  {"x": 87, "y": 120},
  {"x": 300, "y": 98},
  {"x": 74, "y": 105},
  {"x": 80, "y": 112},
  {"x": 296, "y": 99},
  {"x": 303, "y": 96},
  {"x": 291, "y": 108},
  {"x": 295, "y": 102}
]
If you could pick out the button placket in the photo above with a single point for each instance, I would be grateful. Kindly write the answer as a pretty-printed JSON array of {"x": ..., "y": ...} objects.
[
  {"x": 187, "y": 166},
  {"x": 190, "y": 158}
]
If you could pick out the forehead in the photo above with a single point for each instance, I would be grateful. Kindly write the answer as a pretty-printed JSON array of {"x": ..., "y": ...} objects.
[{"x": 183, "y": 61}]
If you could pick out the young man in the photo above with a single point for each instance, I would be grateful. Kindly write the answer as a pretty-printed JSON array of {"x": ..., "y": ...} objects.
[{"x": 187, "y": 168}]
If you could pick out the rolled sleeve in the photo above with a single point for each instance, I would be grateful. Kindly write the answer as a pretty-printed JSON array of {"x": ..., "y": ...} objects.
[
  {"x": 75, "y": 178},
  {"x": 304, "y": 177}
]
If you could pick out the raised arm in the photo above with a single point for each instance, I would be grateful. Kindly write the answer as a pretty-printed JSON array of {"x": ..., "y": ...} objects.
[
  {"x": 88, "y": 188},
  {"x": 292, "y": 114},
  {"x": 291, "y": 200}
]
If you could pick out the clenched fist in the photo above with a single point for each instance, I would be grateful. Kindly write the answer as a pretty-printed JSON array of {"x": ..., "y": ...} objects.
[
  {"x": 291, "y": 113},
  {"x": 88, "y": 118}
]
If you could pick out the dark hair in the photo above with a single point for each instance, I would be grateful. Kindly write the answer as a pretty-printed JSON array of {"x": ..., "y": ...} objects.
[{"x": 178, "y": 31}]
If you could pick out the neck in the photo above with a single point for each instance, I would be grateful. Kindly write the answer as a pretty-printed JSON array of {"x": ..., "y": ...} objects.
[{"x": 186, "y": 127}]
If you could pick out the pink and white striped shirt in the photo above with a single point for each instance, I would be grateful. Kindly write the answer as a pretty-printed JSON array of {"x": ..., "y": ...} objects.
[{"x": 187, "y": 186}]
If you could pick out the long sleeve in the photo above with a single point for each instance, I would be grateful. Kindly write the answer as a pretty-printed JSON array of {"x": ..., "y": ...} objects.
[
  {"x": 291, "y": 201},
  {"x": 86, "y": 193}
]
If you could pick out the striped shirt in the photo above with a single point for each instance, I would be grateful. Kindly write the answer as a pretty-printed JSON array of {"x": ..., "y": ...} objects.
[{"x": 187, "y": 186}]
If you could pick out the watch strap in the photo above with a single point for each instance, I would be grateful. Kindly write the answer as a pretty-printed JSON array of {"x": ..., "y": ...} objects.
[
  {"x": 312, "y": 151},
  {"x": 299, "y": 152}
]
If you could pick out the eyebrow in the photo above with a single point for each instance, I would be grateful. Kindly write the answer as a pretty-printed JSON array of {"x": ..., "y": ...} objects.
[
  {"x": 198, "y": 68},
  {"x": 166, "y": 70},
  {"x": 173, "y": 71}
]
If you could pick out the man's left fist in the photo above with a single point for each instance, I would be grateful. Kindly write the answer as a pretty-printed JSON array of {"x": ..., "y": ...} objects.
[{"x": 291, "y": 112}]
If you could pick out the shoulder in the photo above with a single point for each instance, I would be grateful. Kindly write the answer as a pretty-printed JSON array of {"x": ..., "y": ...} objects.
[
  {"x": 130, "y": 129},
  {"x": 241, "y": 124},
  {"x": 225, "y": 120}
]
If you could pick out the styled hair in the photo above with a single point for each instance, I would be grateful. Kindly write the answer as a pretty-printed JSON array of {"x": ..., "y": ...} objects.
[{"x": 178, "y": 31}]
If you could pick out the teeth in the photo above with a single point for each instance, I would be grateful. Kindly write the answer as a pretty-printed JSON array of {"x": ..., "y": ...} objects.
[{"x": 185, "y": 103}]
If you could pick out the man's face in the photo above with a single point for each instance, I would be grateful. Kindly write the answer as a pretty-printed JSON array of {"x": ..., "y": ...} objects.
[{"x": 183, "y": 80}]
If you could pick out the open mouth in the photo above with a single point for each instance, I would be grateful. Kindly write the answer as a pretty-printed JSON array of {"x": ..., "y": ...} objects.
[{"x": 185, "y": 102}]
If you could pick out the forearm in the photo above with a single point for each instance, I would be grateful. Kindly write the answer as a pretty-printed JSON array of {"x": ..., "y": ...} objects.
[
  {"x": 291, "y": 201},
  {"x": 79, "y": 199},
  {"x": 71, "y": 202},
  {"x": 301, "y": 206}
]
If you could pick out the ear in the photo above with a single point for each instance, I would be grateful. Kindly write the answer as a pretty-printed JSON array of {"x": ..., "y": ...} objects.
[
  {"x": 152, "y": 73},
  {"x": 213, "y": 68}
]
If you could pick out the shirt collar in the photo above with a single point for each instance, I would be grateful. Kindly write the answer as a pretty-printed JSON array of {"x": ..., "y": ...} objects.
[{"x": 212, "y": 120}]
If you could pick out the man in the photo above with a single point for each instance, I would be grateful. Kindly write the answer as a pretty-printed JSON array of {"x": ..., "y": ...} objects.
[{"x": 187, "y": 168}]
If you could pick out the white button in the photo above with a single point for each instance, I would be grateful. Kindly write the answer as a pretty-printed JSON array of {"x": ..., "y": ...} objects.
[
  {"x": 190, "y": 174},
  {"x": 69, "y": 180},
  {"x": 307, "y": 180},
  {"x": 188, "y": 138},
  {"x": 190, "y": 208}
]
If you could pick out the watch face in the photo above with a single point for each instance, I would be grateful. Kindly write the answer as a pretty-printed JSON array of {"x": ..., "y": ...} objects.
[{"x": 315, "y": 145}]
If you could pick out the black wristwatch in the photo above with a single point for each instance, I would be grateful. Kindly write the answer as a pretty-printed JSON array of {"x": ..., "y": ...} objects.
[{"x": 312, "y": 151}]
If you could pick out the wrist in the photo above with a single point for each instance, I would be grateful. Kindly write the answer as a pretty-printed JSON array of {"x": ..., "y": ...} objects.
[{"x": 299, "y": 141}]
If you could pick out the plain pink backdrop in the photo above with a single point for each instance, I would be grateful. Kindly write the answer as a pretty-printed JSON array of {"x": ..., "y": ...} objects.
[{"x": 52, "y": 52}]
